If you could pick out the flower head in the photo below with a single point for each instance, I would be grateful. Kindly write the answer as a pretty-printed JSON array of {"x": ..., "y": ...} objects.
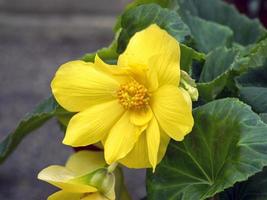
[
  {"x": 133, "y": 108},
  {"x": 83, "y": 178}
]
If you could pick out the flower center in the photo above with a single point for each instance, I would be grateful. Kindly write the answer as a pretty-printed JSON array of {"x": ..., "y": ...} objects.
[{"x": 133, "y": 95}]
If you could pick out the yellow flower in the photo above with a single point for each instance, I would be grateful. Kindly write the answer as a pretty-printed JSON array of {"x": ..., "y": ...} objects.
[
  {"x": 135, "y": 107},
  {"x": 83, "y": 178}
]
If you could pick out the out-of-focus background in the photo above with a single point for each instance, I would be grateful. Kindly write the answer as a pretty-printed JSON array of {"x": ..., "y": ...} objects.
[{"x": 36, "y": 36}]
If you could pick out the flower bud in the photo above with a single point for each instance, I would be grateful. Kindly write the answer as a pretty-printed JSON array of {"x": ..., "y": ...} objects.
[{"x": 189, "y": 85}]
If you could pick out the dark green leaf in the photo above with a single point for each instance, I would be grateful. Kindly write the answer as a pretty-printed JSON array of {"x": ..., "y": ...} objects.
[
  {"x": 255, "y": 188},
  {"x": 263, "y": 117},
  {"x": 253, "y": 88},
  {"x": 246, "y": 31},
  {"x": 251, "y": 57},
  {"x": 208, "y": 35},
  {"x": 138, "y": 18},
  {"x": 188, "y": 55},
  {"x": 30, "y": 122},
  {"x": 217, "y": 63},
  {"x": 135, "y": 3},
  {"x": 227, "y": 145},
  {"x": 256, "y": 97},
  {"x": 221, "y": 67},
  {"x": 63, "y": 116},
  {"x": 216, "y": 72}
]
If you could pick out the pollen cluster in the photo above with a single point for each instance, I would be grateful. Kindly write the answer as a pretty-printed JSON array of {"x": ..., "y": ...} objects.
[{"x": 133, "y": 95}]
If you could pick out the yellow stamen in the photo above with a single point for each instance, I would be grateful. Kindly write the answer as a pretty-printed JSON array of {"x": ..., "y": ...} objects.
[{"x": 133, "y": 95}]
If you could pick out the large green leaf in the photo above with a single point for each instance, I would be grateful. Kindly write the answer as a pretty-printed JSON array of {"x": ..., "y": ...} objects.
[
  {"x": 208, "y": 35},
  {"x": 253, "y": 88},
  {"x": 138, "y": 18},
  {"x": 30, "y": 122},
  {"x": 246, "y": 31},
  {"x": 255, "y": 96},
  {"x": 188, "y": 55},
  {"x": 215, "y": 73},
  {"x": 135, "y": 3},
  {"x": 222, "y": 65},
  {"x": 227, "y": 144},
  {"x": 217, "y": 63},
  {"x": 263, "y": 117},
  {"x": 251, "y": 57},
  {"x": 255, "y": 188}
]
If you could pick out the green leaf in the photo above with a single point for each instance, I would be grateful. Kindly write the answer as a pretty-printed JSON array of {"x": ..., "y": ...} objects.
[
  {"x": 255, "y": 188},
  {"x": 138, "y": 18},
  {"x": 217, "y": 63},
  {"x": 246, "y": 31},
  {"x": 263, "y": 117},
  {"x": 208, "y": 35},
  {"x": 222, "y": 67},
  {"x": 253, "y": 88},
  {"x": 63, "y": 116},
  {"x": 215, "y": 73},
  {"x": 251, "y": 57},
  {"x": 256, "y": 97},
  {"x": 188, "y": 55},
  {"x": 227, "y": 145},
  {"x": 30, "y": 122},
  {"x": 135, "y": 3}
]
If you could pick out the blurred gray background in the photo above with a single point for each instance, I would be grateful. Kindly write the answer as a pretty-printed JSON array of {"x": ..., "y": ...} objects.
[{"x": 36, "y": 36}]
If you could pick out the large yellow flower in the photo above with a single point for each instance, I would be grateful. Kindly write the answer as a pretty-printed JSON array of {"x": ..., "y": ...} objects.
[{"x": 135, "y": 107}]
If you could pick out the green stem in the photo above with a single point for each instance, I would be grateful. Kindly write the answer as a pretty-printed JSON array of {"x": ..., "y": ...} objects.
[{"x": 112, "y": 167}]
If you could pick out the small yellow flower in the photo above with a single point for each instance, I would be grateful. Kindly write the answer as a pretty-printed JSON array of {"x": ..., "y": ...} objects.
[
  {"x": 83, "y": 178},
  {"x": 133, "y": 108}
]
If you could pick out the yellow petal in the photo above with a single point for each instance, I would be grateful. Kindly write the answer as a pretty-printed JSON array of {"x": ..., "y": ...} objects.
[
  {"x": 157, "y": 43},
  {"x": 138, "y": 156},
  {"x": 61, "y": 177},
  {"x": 100, "y": 64},
  {"x": 120, "y": 74},
  {"x": 153, "y": 141},
  {"x": 84, "y": 162},
  {"x": 141, "y": 117},
  {"x": 62, "y": 195},
  {"x": 136, "y": 69},
  {"x": 152, "y": 80},
  {"x": 172, "y": 112},
  {"x": 167, "y": 67},
  {"x": 121, "y": 139},
  {"x": 95, "y": 196},
  {"x": 78, "y": 85},
  {"x": 91, "y": 125},
  {"x": 164, "y": 141}
]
